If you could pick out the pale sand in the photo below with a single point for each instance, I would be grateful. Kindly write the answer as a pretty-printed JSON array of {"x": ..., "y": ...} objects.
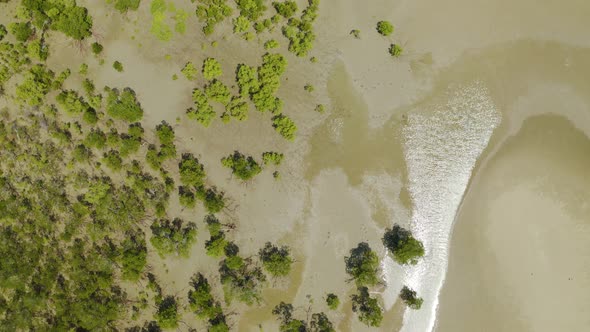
[{"x": 520, "y": 259}]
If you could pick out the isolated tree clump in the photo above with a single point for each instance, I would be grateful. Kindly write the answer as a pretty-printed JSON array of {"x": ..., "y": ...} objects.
[
  {"x": 276, "y": 260},
  {"x": 395, "y": 50},
  {"x": 284, "y": 126},
  {"x": 405, "y": 248},
  {"x": 332, "y": 301},
  {"x": 244, "y": 167},
  {"x": 190, "y": 71},
  {"x": 319, "y": 321},
  {"x": 368, "y": 309},
  {"x": 241, "y": 279},
  {"x": 123, "y": 105},
  {"x": 300, "y": 31},
  {"x": 175, "y": 236},
  {"x": 363, "y": 265},
  {"x": 274, "y": 158},
  {"x": 410, "y": 298},
  {"x": 384, "y": 28}
]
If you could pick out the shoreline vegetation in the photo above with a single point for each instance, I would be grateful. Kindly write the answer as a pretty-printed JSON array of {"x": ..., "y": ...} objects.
[{"x": 93, "y": 198}]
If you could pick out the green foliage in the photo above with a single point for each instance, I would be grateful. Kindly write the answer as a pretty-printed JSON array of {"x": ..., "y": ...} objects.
[
  {"x": 38, "y": 50},
  {"x": 319, "y": 321},
  {"x": 118, "y": 66},
  {"x": 192, "y": 173},
  {"x": 218, "y": 92},
  {"x": 356, "y": 33},
  {"x": 212, "y": 199},
  {"x": 190, "y": 71},
  {"x": 3, "y": 31},
  {"x": 368, "y": 308},
  {"x": 159, "y": 27},
  {"x": 309, "y": 88},
  {"x": 244, "y": 167},
  {"x": 113, "y": 160},
  {"x": 133, "y": 255},
  {"x": 363, "y": 265},
  {"x": 237, "y": 108},
  {"x": 202, "y": 111},
  {"x": 81, "y": 153},
  {"x": 211, "y": 69},
  {"x": 167, "y": 313},
  {"x": 274, "y": 158},
  {"x": 384, "y": 28},
  {"x": 405, "y": 248},
  {"x": 22, "y": 31},
  {"x": 36, "y": 84},
  {"x": 71, "y": 102},
  {"x": 96, "y": 139},
  {"x": 395, "y": 50},
  {"x": 286, "y": 9},
  {"x": 247, "y": 79},
  {"x": 204, "y": 305},
  {"x": 320, "y": 108},
  {"x": 60, "y": 15},
  {"x": 262, "y": 84},
  {"x": 123, "y": 105},
  {"x": 300, "y": 31},
  {"x": 251, "y": 9},
  {"x": 410, "y": 298},
  {"x": 241, "y": 25},
  {"x": 97, "y": 48},
  {"x": 332, "y": 301},
  {"x": 212, "y": 12},
  {"x": 270, "y": 44},
  {"x": 217, "y": 243},
  {"x": 125, "y": 5},
  {"x": 276, "y": 260},
  {"x": 242, "y": 284},
  {"x": 284, "y": 126},
  {"x": 173, "y": 237},
  {"x": 186, "y": 197}
]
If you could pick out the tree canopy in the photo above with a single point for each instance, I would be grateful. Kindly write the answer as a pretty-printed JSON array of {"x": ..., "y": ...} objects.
[
  {"x": 405, "y": 248},
  {"x": 363, "y": 265},
  {"x": 276, "y": 260},
  {"x": 368, "y": 309}
]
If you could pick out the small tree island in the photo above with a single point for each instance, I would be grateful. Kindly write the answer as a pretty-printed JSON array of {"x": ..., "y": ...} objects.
[{"x": 405, "y": 248}]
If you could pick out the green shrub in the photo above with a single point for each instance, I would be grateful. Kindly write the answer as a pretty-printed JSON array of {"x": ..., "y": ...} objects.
[
  {"x": 113, "y": 160},
  {"x": 332, "y": 301},
  {"x": 276, "y": 260},
  {"x": 211, "y": 69},
  {"x": 300, "y": 31},
  {"x": 38, "y": 50},
  {"x": 186, "y": 197},
  {"x": 251, "y": 9},
  {"x": 309, "y": 88},
  {"x": 286, "y": 9},
  {"x": 212, "y": 12},
  {"x": 271, "y": 44},
  {"x": 173, "y": 237},
  {"x": 368, "y": 308},
  {"x": 81, "y": 153},
  {"x": 22, "y": 31},
  {"x": 409, "y": 297},
  {"x": 202, "y": 112},
  {"x": 245, "y": 168},
  {"x": 404, "y": 247},
  {"x": 201, "y": 301},
  {"x": 126, "y": 5},
  {"x": 36, "y": 84},
  {"x": 192, "y": 173},
  {"x": 167, "y": 313},
  {"x": 384, "y": 28},
  {"x": 218, "y": 92},
  {"x": 284, "y": 126},
  {"x": 118, "y": 66},
  {"x": 395, "y": 50},
  {"x": 190, "y": 71},
  {"x": 96, "y": 139},
  {"x": 274, "y": 158},
  {"x": 356, "y": 33},
  {"x": 71, "y": 102},
  {"x": 97, "y": 48},
  {"x": 320, "y": 108},
  {"x": 123, "y": 105},
  {"x": 133, "y": 255},
  {"x": 363, "y": 265},
  {"x": 236, "y": 108},
  {"x": 241, "y": 25},
  {"x": 3, "y": 32}
]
